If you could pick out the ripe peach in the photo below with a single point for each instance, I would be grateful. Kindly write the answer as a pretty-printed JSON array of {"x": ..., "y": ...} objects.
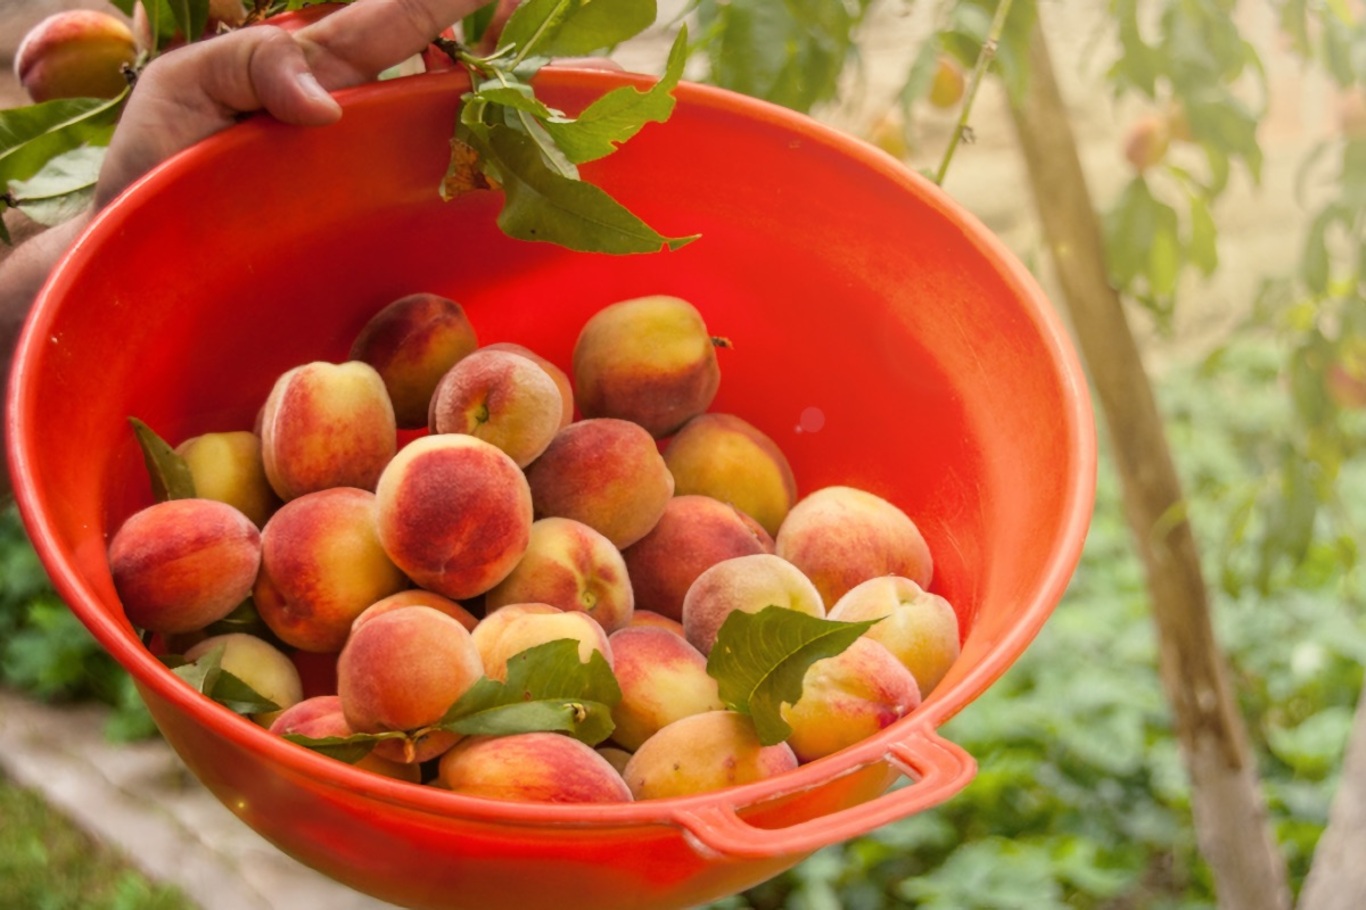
[
  {"x": 266, "y": 669},
  {"x": 569, "y": 565},
  {"x": 321, "y": 717},
  {"x": 694, "y": 534},
  {"x": 649, "y": 360},
  {"x": 662, "y": 679},
  {"x": 1146, "y": 142},
  {"x": 651, "y": 620},
  {"x": 847, "y": 698},
  {"x": 840, "y": 536},
  {"x": 560, "y": 376},
  {"x": 728, "y": 458},
  {"x": 228, "y": 467},
  {"x": 454, "y": 514},
  {"x": 321, "y": 565},
  {"x": 749, "y": 584},
  {"x": 75, "y": 53},
  {"x": 616, "y": 757},
  {"x": 920, "y": 628},
  {"x": 701, "y": 753},
  {"x": 606, "y": 473},
  {"x": 532, "y": 767},
  {"x": 418, "y": 597},
  {"x": 403, "y": 670},
  {"x": 412, "y": 343},
  {"x": 182, "y": 564},
  {"x": 327, "y": 425},
  {"x": 502, "y": 398},
  {"x": 949, "y": 82},
  {"x": 502, "y": 639}
]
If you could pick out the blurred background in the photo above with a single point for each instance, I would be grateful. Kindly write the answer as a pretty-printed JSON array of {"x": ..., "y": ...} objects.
[{"x": 1220, "y": 149}]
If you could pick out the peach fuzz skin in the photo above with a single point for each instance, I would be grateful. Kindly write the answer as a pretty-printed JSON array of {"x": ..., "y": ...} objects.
[
  {"x": 75, "y": 54},
  {"x": 847, "y": 698},
  {"x": 560, "y": 377},
  {"x": 728, "y": 458},
  {"x": 748, "y": 584},
  {"x": 532, "y": 767},
  {"x": 321, "y": 565},
  {"x": 403, "y": 670},
  {"x": 454, "y": 514},
  {"x": 662, "y": 679},
  {"x": 606, "y": 473},
  {"x": 502, "y": 398},
  {"x": 918, "y": 626},
  {"x": 840, "y": 536},
  {"x": 182, "y": 564},
  {"x": 327, "y": 425},
  {"x": 228, "y": 467},
  {"x": 417, "y": 597},
  {"x": 413, "y": 342},
  {"x": 702, "y": 753},
  {"x": 321, "y": 717},
  {"x": 569, "y": 565},
  {"x": 694, "y": 534}
]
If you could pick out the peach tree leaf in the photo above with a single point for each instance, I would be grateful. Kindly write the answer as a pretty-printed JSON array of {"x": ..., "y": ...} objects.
[
  {"x": 206, "y": 676},
  {"x": 63, "y": 187},
  {"x": 169, "y": 474},
  {"x": 349, "y": 749},
  {"x": 760, "y": 660},
  {"x": 33, "y": 135},
  {"x": 573, "y": 28},
  {"x": 541, "y": 204},
  {"x": 548, "y": 689},
  {"x": 621, "y": 113}
]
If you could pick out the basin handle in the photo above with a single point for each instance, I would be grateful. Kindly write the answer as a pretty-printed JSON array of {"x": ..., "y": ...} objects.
[{"x": 937, "y": 767}]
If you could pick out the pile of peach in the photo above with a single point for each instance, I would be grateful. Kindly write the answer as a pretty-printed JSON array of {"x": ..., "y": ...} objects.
[{"x": 613, "y": 509}]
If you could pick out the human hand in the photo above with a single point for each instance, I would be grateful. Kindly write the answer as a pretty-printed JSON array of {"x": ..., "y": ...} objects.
[{"x": 195, "y": 91}]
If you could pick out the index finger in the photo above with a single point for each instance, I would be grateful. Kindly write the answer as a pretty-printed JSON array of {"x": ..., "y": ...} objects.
[{"x": 356, "y": 43}]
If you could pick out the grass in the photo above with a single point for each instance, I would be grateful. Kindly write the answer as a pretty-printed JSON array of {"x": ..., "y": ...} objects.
[{"x": 48, "y": 863}]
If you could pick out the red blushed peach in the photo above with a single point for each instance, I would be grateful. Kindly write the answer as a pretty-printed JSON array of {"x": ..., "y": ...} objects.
[
  {"x": 702, "y": 753},
  {"x": 266, "y": 669},
  {"x": 321, "y": 565},
  {"x": 503, "y": 639},
  {"x": 650, "y": 360},
  {"x": 75, "y": 53},
  {"x": 454, "y": 514},
  {"x": 748, "y": 584},
  {"x": 502, "y": 398},
  {"x": 840, "y": 536},
  {"x": 662, "y": 679},
  {"x": 182, "y": 564},
  {"x": 412, "y": 343},
  {"x": 552, "y": 370},
  {"x": 532, "y": 767},
  {"x": 417, "y": 597},
  {"x": 606, "y": 473},
  {"x": 327, "y": 425},
  {"x": 228, "y": 467},
  {"x": 920, "y": 628},
  {"x": 694, "y": 534},
  {"x": 728, "y": 458},
  {"x": 847, "y": 698},
  {"x": 569, "y": 565},
  {"x": 403, "y": 670},
  {"x": 320, "y": 717},
  {"x": 651, "y": 620}
]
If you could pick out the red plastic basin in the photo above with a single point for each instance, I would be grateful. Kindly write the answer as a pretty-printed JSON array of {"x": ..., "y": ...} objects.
[{"x": 881, "y": 336}]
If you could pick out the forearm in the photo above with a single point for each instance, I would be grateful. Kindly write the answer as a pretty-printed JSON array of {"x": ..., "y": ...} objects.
[{"x": 22, "y": 274}]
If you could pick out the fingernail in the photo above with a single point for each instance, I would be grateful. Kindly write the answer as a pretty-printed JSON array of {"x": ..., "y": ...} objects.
[{"x": 313, "y": 89}]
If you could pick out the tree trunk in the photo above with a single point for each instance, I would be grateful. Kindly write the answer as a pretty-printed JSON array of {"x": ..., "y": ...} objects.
[
  {"x": 1337, "y": 879},
  {"x": 1229, "y": 813}
]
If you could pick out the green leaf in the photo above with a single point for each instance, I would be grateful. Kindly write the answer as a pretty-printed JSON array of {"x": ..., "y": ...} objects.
[
  {"x": 206, "y": 676},
  {"x": 62, "y": 189},
  {"x": 1204, "y": 250},
  {"x": 167, "y": 471},
  {"x": 760, "y": 659},
  {"x": 543, "y": 205},
  {"x": 548, "y": 688},
  {"x": 476, "y": 24},
  {"x": 191, "y": 17},
  {"x": 32, "y": 136},
  {"x": 621, "y": 113},
  {"x": 574, "y": 28},
  {"x": 1164, "y": 252},
  {"x": 349, "y": 749}
]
